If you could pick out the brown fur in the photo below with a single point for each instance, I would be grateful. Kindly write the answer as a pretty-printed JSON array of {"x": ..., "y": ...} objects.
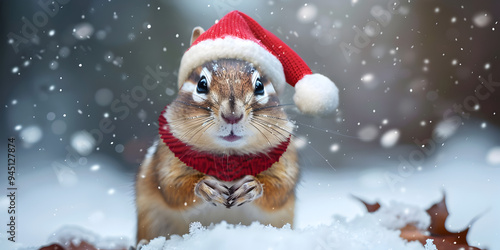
[{"x": 165, "y": 197}]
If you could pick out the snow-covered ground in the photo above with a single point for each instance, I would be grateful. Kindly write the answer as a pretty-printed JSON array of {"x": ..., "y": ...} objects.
[
  {"x": 359, "y": 234},
  {"x": 100, "y": 199}
]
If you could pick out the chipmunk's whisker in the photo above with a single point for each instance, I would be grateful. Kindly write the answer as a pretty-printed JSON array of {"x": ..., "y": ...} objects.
[
  {"x": 277, "y": 134},
  {"x": 268, "y": 141},
  {"x": 270, "y": 124},
  {"x": 191, "y": 122},
  {"x": 198, "y": 131},
  {"x": 196, "y": 128},
  {"x": 275, "y": 117},
  {"x": 193, "y": 105},
  {"x": 271, "y": 106},
  {"x": 190, "y": 118},
  {"x": 307, "y": 125},
  {"x": 191, "y": 128},
  {"x": 206, "y": 127},
  {"x": 299, "y": 138}
]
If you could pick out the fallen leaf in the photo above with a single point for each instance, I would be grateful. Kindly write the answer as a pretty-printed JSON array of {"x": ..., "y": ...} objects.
[
  {"x": 437, "y": 229},
  {"x": 82, "y": 246},
  {"x": 443, "y": 239},
  {"x": 53, "y": 247},
  {"x": 370, "y": 207}
]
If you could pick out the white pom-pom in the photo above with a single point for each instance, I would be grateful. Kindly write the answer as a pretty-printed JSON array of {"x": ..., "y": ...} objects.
[{"x": 316, "y": 95}]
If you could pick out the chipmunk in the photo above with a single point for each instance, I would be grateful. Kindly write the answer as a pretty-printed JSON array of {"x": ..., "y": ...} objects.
[
  {"x": 225, "y": 150},
  {"x": 214, "y": 115}
]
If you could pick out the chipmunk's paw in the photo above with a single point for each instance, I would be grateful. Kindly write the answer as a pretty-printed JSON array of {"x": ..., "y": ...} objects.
[
  {"x": 244, "y": 190},
  {"x": 212, "y": 190}
]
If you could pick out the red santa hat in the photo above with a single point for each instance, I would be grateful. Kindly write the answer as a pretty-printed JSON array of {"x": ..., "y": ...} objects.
[{"x": 238, "y": 36}]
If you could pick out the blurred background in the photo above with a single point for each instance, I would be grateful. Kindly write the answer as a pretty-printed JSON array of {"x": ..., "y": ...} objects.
[{"x": 416, "y": 79}]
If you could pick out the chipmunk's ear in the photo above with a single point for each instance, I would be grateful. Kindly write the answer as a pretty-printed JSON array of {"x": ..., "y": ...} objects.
[{"x": 197, "y": 31}]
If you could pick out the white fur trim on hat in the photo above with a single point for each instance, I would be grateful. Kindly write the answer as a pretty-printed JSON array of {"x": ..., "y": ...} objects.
[
  {"x": 232, "y": 47},
  {"x": 316, "y": 95}
]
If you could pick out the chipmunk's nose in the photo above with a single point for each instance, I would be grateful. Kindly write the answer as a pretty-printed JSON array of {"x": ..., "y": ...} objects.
[{"x": 232, "y": 118}]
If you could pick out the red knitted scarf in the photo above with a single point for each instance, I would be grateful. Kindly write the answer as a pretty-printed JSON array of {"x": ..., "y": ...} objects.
[{"x": 224, "y": 167}]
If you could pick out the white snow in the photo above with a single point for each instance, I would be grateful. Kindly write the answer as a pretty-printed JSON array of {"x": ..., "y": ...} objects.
[
  {"x": 58, "y": 127},
  {"x": 54, "y": 65},
  {"x": 334, "y": 147},
  {"x": 429, "y": 245},
  {"x": 307, "y": 13},
  {"x": 83, "y": 31},
  {"x": 169, "y": 91},
  {"x": 109, "y": 56},
  {"x": 95, "y": 167},
  {"x": 481, "y": 19},
  {"x": 31, "y": 135},
  {"x": 103, "y": 97},
  {"x": 65, "y": 175},
  {"x": 300, "y": 142},
  {"x": 398, "y": 215},
  {"x": 389, "y": 138},
  {"x": 487, "y": 66},
  {"x": 447, "y": 127},
  {"x": 368, "y": 133},
  {"x": 83, "y": 142},
  {"x": 378, "y": 230},
  {"x": 53, "y": 195},
  {"x": 51, "y": 116},
  {"x": 364, "y": 232},
  {"x": 119, "y": 148},
  {"x": 64, "y": 52},
  {"x": 369, "y": 81},
  {"x": 493, "y": 156},
  {"x": 73, "y": 234}
]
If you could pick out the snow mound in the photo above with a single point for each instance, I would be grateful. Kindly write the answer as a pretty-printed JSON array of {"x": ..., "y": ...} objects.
[
  {"x": 397, "y": 215},
  {"x": 429, "y": 245},
  {"x": 75, "y": 235},
  {"x": 369, "y": 231}
]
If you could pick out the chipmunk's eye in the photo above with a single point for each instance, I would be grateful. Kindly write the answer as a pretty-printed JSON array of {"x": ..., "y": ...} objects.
[
  {"x": 202, "y": 85},
  {"x": 259, "y": 87}
]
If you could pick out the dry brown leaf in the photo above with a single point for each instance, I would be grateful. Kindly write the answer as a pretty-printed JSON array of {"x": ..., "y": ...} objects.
[
  {"x": 82, "y": 246},
  {"x": 437, "y": 229},
  {"x": 53, "y": 247},
  {"x": 370, "y": 207},
  {"x": 443, "y": 239}
]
